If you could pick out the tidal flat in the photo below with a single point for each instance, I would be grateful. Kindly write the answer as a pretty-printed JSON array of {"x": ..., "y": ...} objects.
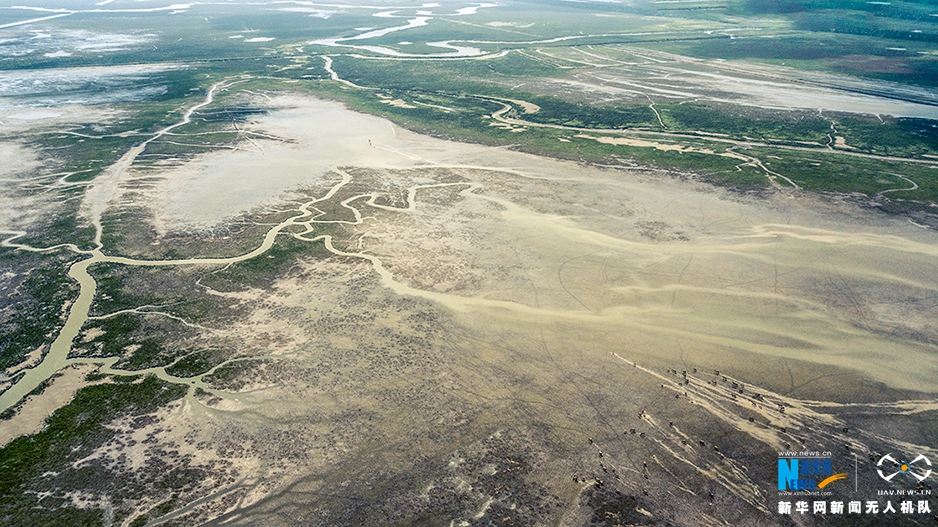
[
  {"x": 431, "y": 329},
  {"x": 467, "y": 264}
]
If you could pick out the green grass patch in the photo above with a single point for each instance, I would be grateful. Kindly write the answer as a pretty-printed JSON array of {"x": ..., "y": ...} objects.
[
  {"x": 826, "y": 172},
  {"x": 742, "y": 123},
  {"x": 896, "y": 137}
]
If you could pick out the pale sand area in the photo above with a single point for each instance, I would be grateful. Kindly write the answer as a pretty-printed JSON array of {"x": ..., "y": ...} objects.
[
  {"x": 19, "y": 119},
  {"x": 20, "y": 166},
  {"x": 16, "y": 159},
  {"x": 651, "y": 259},
  {"x": 36, "y": 408},
  {"x": 220, "y": 185}
]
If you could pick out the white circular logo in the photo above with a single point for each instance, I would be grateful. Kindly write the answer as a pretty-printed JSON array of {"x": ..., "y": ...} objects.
[{"x": 904, "y": 468}]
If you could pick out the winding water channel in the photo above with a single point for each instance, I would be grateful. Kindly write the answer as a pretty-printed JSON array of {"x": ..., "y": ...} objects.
[
  {"x": 306, "y": 215},
  {"x": 98, "y": 198}
]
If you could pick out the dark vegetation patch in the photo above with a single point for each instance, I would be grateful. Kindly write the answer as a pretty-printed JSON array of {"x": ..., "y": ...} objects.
[
  {"x": 904, "y": 137},
  {"x": 610, "y": 507},
  {"x": 858, "y": 38},
  {"x": 169, "y": 289},
  {"x": 199, "y": 362},
  {"x": 742, "y": 123},
  {"x": 556, "y": 111},
  {"x": 898, "y": 66},
  {"x": 151, "y": 336},
  {"x": 797, "y": 47},
  {"x": 147, "y": 341},
  {"x": 262, "y": 270},
  {"x": 899, "y": 9},
  {"x": 31, "y": 303},
  {"x": 36, "y": 471},
  {"x": 865, "y": 23},
  {"x": 129, "y": 231},
  {"x": 237, "y": 374}
]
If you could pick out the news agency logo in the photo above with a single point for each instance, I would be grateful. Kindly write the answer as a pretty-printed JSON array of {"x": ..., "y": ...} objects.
[
  {"x": 806, "y": 473},
  {"x": 914, "y": 468}
]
